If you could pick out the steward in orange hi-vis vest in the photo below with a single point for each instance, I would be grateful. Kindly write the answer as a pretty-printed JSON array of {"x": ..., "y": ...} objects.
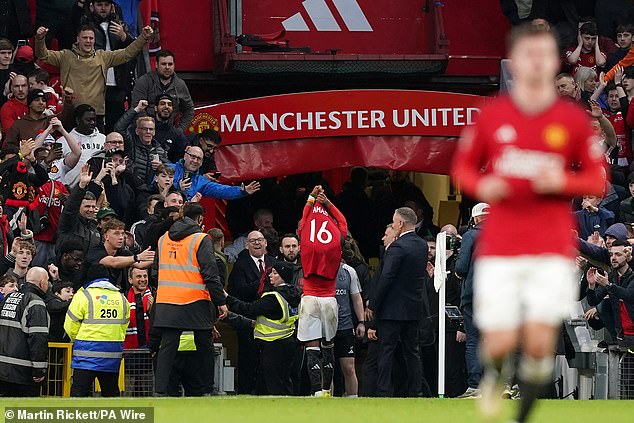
[
  {"x": 180, "y": 281},
  {"x": 189, "y": 290}
]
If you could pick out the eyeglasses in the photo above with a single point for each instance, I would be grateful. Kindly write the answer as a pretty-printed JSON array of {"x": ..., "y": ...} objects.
[
  {"x": 116, "y": 142},
  {"x": 145, "y": 129},
  {"x": 256, "y": 240},
  {"x": 194, "y": 157}
]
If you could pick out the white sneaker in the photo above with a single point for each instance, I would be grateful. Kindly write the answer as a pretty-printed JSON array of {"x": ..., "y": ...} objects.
[
  {"x": 490, "y": 404},
  {"x": 322, "y": 394}
]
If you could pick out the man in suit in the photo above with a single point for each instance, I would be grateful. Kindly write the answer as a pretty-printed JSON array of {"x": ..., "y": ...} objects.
[
  {"x": 398, "y": 303},
  {"x": 245, "y": 284}
]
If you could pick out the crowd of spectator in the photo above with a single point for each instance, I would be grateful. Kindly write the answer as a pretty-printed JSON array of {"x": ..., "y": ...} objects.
[{"x": 96, "y": 169}]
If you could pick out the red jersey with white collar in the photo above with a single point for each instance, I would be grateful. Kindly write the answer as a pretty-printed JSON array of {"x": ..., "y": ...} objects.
[
  {"x": 623, "y": 136},
  {"x": 510, "y": 144},
  {"x": 321, "y": 232}
]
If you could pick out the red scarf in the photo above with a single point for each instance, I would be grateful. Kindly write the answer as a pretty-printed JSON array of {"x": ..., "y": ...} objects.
[
  {"x": 131, "y": 335},
  {"x": 4, "y": 227}
]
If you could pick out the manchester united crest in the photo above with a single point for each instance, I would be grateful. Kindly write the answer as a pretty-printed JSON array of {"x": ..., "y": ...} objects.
[
  {"x": 555, "y": 136},
  {"x": 20, "y": 190},
  {"x": 203, "y": 121}
]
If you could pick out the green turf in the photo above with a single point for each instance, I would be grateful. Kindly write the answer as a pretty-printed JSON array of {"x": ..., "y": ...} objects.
[{"x": 334, "y": 410}]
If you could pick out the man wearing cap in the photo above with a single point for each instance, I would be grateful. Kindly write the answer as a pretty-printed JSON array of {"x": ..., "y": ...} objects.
[
  {"x": 464, "y": 269},
  {"x": 34, "y": 122},
  {"x": 275, "y": 313},
  {"x": 16, "y": 106}
]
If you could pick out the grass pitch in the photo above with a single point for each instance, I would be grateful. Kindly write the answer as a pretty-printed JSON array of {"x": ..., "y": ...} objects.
[{"x": 244, "y": 409}]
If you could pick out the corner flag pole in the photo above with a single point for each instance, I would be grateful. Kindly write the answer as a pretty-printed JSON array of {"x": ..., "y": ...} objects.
[{"x": 440, "y": 276}]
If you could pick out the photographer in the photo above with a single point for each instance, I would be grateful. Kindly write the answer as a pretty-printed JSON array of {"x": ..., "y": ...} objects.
[{"x": 464, "y": 269}]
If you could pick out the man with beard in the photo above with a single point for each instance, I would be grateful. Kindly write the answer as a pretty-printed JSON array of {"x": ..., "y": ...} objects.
[
  {"x": 32, "y": 123},
  {"x": 617, "y": 288},
  {"x": 289, "y": 252},
  {"x": 163, "y": 80},
  {"x": 170, "y": 138}
]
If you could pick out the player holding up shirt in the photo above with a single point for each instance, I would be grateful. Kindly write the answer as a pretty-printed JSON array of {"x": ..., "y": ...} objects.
[
  {"x": 537, "y": 152},
  {"x": 322, "y": 231}
]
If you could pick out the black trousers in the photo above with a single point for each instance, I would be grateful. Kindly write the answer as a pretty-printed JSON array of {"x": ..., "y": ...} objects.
[
  {"x": 83, "y": 379},
  {"x": 390, "y": 332},
  {"x": 370, "y": 368},
  {"x": 8, "y": 389},
  {"x": 169, "y": 350},
  {"x": 274, "y": 373},
  {"x": 247, "y": 362},
  {"x": 455, "y": 366},
  {"x": 188, "y": 373}
]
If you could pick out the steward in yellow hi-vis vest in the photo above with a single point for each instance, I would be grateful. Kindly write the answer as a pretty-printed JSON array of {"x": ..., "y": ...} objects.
[
  {"x": 275, "y": 313},
  {"x": 96, "y": 322},
  {"x": 189, "y": 290}
]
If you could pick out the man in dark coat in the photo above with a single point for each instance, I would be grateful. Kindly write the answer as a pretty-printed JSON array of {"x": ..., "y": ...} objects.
[
  {"x": 24, "y": 324},
  {"x": 399, "y": 302}
]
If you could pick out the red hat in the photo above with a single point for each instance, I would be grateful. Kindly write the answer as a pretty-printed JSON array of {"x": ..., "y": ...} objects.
[{"x": 25, "y": 54}]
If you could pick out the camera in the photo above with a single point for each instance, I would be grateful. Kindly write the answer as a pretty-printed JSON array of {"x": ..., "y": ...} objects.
[{"x": 452, "y": 243}]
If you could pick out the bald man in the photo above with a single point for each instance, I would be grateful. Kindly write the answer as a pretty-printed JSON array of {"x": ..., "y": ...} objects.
[
  {"x": 24, "y": 324},
  {"x": 187, "y": 178},
  {"x": 16, "y": 106},
  {"x": 245, "y": 281}
]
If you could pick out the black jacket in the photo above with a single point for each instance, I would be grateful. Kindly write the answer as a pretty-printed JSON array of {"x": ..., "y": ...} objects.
[
  {"x": 57, "y": 309},
  {"x": 244, "y": 279},
  {"x": 72, "y": 225},
  {"x": 622, "y": 289},
  {"x": 169, "y": 137},
  {"x": 399, "y": 292},
  {"x": 266, "y": 306},
  {"x": 198, "y": 315},
  {"x": 24, "y": 325},
  {"x": 464, "y": 264}
]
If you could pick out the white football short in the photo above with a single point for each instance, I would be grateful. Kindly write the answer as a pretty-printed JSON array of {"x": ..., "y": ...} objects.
[
  {"x": 510, "y": 291},
  {"x": 318, "y": 318}
]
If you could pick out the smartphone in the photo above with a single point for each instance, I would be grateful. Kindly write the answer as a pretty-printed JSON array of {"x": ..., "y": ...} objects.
[
  {"x": 15, "y": 52},
  {"x": 186, "y": 175},
  {"x": 57, "y": 146},
  {"x": 155, "y": 158},
  {"x": 107, "y": 160},
  {"x": 216, "y": 175},
  {"x": 601, "y": 272},
  {"x": 453, "y": 312}
]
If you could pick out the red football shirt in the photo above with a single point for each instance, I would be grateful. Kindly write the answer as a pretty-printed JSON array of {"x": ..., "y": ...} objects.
[
  {"x": 49, "y": 233},
  {"x": 585, "y": 59},
  {"x": 516, "y": 147},
  {"x": 623, "y": 137},
  {"x": 321, "y": 232}
]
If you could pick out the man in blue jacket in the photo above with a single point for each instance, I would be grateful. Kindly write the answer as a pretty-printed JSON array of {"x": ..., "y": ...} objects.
[
  {"x": 188, "y": 179},
  {"x": 464, "y": 269}
]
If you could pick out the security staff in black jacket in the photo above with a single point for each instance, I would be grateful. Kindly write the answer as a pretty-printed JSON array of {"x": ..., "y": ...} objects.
[
  {"x": 24, "y": 324},
  {"x": 275, "y": 313}
]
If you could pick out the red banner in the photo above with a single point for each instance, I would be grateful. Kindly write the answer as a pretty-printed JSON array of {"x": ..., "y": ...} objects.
[
  {"x": 340, "y": 113},
  {"x": 306, "y": 132}
]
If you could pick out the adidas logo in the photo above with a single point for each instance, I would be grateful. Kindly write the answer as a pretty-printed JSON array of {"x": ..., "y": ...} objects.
[
  {"x": 328, "y": 366},
  {"x": 324, "y": 20},
  {"x": 316, "y": 367},
  {"x": 351, "y": 350}
]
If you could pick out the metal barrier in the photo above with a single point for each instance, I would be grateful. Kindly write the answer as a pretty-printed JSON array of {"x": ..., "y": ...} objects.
[
  {"x": 139, "y": 374},
  {"x": 621, "y": 368},
  {"x": 59, "y": 373}
]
